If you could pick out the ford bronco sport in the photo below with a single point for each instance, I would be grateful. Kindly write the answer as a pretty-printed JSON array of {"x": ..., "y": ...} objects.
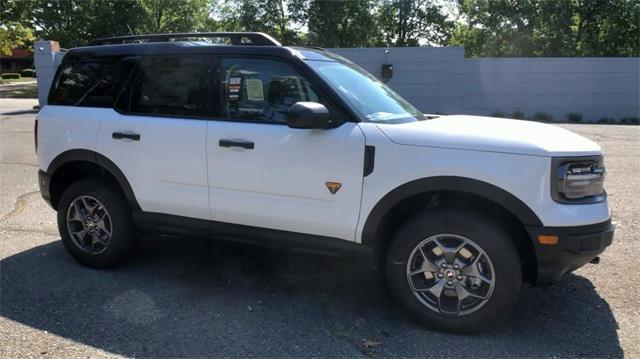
[{"x": 233, "y": 136}]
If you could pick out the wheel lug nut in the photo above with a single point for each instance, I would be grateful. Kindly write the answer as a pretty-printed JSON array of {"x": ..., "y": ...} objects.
[
  {"x": 439, "y": 275},
  {"x": 459, "y": 277},
  {"x": 443, "y": 265},
  {"x": 449, "y": 282},
  {"x": 455, "y": 266}
]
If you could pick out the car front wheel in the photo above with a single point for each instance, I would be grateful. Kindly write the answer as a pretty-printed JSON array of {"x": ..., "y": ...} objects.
[{"x": 454, "y": 269}]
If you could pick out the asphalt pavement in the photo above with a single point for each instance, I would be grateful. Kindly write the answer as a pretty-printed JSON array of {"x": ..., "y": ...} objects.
[{"x": 195, "y": 298}]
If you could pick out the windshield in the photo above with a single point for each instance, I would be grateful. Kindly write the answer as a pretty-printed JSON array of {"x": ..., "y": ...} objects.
[{"x": 369, "y": 97}]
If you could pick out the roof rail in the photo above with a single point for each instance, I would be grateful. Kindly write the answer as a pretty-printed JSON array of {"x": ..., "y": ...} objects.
[{"x": 236, "y": 38}]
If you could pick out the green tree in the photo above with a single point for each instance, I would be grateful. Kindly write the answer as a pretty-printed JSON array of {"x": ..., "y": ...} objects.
[
  {"x": 14, "y": 34},
  {"x": 175, "y": 15},
  {"x": 548, "y": 28},
  {"x": 338, "y": 23},
  {"x": 269, "y": 16},
  {"x": 413, "y": 22},
  {"x": 75, "y": 22},
  {"x": 607, "y": 27}
]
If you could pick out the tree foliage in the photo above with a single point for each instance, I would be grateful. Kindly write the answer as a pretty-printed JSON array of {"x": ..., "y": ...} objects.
[
  {"x": 14, "y": 34},
  {"x": 483, "y": 27},
  {"x": 269, "y": 16},
  {"x": 75, "y": 22},
  {"x": 338, "y": 23},
  {"x": 549, "y": 28},
  {"x": 413, "y": 23}
]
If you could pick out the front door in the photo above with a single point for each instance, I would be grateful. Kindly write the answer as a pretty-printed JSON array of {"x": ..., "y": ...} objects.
[{"x": 263, "y": 173}]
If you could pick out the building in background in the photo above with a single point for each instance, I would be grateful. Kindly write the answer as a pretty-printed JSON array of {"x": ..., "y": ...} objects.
[{"x": 19, "y": 60}]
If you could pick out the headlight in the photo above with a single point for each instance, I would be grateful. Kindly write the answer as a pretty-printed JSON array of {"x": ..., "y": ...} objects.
[{"x": 578, "y": 180}]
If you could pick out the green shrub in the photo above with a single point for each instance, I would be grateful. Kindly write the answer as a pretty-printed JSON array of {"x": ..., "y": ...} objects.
[
  {"x": 606, "y": 120},
  {"x": 28, "y": 73},
  {"x": 574, "y": 117},
  {"x": 543, "y": 117},
  {"x": 518, "y": 115},
  {"x": 10, "y": 76},
  {"x": 499, "y": 114},
  {"x": 631, "y": 120}
]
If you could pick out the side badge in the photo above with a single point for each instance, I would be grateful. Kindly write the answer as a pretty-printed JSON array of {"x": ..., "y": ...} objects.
[{"x": 333, "y": 186}]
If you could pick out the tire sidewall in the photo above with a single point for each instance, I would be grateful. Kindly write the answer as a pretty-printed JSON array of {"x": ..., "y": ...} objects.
[
  {"x": 487, "y": 234},
  {"x": 122, "y": 238}
]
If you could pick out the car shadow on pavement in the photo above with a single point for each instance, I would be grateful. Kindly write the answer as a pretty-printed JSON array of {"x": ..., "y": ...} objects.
[{"x": 194, "y": 298}]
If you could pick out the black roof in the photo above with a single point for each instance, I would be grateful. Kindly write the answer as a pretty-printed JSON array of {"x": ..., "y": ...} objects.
[
  {"x": 235, "y": 38},
  {"x": 198, "y": 48}
]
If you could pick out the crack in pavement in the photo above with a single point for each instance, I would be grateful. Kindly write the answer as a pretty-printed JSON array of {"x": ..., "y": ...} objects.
[
  {"x": 20, "y": 164},
  {"x": 23, "y": 230},
  {"x": 18, "y": 206}
]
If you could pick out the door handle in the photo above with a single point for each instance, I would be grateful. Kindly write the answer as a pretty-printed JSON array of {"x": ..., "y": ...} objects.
[
  {"x": 236, "y": 143},
  {"x": 122, "y": 135}
]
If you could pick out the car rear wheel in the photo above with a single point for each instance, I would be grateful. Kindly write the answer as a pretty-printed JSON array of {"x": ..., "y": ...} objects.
[
  {"x": 95, "y": 224},
  {"x": 454, "y": 269}
]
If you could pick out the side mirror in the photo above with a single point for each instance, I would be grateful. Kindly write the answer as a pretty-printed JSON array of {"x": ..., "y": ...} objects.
[{"x": 308, "y": 115}]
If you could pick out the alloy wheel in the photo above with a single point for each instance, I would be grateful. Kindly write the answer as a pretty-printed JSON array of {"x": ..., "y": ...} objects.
[
  {"x": 89, "y": 224},
  {"x": 451, "y": 274}
]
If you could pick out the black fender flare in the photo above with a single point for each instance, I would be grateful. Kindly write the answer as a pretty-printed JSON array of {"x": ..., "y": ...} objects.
[
  {"x": 445, "y": 183},
  {"x": 102, "y": 161}
]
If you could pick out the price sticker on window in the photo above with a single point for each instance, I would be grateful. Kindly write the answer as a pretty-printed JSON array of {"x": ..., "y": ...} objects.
[{"x": 255, "y": 91}]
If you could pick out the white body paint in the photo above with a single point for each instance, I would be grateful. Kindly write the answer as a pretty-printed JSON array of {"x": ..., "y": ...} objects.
[{"x": 179, "y": 168}]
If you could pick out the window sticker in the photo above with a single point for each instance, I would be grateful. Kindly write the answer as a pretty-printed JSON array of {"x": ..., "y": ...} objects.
[
  {"x": 234, "y": 87},
  {"x": 254, "y": 90}
]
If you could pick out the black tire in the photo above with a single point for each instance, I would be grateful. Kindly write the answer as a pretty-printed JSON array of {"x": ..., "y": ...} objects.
[
  {"x": 489, "y": 235},
  {"x": 122, "y": 230}
]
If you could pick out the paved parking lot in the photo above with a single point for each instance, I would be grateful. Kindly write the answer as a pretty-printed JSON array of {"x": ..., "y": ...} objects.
[{"x": 193, "y": 298}]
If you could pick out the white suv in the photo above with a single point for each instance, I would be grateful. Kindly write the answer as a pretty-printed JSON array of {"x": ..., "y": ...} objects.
[{"x": 301, "y": 148}]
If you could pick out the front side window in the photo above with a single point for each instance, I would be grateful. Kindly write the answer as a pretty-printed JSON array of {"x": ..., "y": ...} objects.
[
  {"x": 170, "y": 86},
  {"x": 90, "y": 83},
  {"x": 369, "y": 97},
  {"x": 260, "y": 90}
]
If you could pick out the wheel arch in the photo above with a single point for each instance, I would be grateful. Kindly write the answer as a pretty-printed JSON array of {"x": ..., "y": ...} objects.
[
  {"x": 81, "y": 163},
  {"x": 398, "y": 205}
]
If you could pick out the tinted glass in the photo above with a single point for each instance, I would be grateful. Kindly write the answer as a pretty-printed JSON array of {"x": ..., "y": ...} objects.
[
  {"x": 92, "y": 83},
  {"x": 369, "y": 97},
  {"x": 259, "y": 90},
  {"x": 173, "y": 86}
]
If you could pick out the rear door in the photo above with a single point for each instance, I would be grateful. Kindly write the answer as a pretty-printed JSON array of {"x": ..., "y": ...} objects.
[
  {"x": 157, "y": 135},
  {"x": 263, "y": 173}
]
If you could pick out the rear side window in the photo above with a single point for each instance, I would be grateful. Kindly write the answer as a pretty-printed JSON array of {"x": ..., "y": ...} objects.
[
  {"x": 170, "y": 86},
  {"x": 90, "y": 83}
]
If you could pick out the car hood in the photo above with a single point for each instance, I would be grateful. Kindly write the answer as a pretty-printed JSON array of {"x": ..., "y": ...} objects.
[{"x": 478, "y": 133}]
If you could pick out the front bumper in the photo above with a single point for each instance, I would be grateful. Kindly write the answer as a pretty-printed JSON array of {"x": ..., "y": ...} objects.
[
  {"x": 576, "y": 247},
  {"x": 44, "y": 181}
]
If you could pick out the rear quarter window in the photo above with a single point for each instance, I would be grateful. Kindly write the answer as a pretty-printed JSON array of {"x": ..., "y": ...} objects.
[{"x": 90, "y": 83}]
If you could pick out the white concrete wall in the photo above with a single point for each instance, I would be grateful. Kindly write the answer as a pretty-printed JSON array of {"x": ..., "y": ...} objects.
[
  {"x": 47, "y": 56},
  {"x": 442, "y": 80}
]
